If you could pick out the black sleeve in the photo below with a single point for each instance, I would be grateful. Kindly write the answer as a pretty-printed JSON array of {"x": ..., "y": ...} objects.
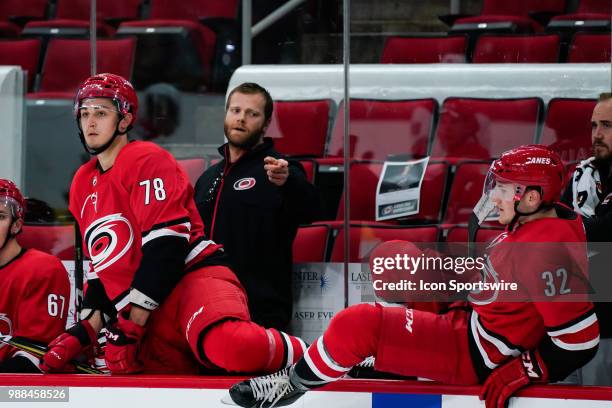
[
  {"x": 560, "y": 362},
  {"x": 97, "y": 299},
  {"x": 302, "y": 198},
  {"x": 599, "y": 227},
  {"x": 18, "y": 364},
  {"x": 161, "y": 267}
]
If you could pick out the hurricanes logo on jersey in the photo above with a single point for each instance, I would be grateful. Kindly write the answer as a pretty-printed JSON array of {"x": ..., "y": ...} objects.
[
  {"x": 6, "y": 327},
  {"x": 108, "y": 239},
  {"x": 244, "y": 184}
]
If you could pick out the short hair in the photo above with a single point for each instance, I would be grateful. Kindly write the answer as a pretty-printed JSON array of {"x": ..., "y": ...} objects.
[
  {"x": 605, "y": 96},
  {"x": 251, "y": 88}
]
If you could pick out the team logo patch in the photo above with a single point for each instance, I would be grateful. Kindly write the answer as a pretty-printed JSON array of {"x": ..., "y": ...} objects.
[
  {"x": 6, "y": 327},
  {"x": 244, "y": 184},
  {"x": 108, "y": 239}
]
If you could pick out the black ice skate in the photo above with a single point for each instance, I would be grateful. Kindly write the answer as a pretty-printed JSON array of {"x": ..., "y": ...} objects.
[{"x": 273, "y": 390}]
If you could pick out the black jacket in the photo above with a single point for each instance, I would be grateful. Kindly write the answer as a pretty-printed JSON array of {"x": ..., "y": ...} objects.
[
  {"x": 256, "y": 222},
  {"x": 599, "y": 229}
]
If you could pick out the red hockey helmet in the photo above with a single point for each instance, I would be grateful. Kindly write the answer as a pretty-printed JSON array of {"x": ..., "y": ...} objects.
[
  {"x": 529, "y": 166},
  {"x": 110, "y": 86},
  {"x": 12, "y": 198}
]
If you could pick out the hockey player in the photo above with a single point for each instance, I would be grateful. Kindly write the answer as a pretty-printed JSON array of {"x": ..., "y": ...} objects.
[
  {"x": 161, "y": 289},
  {"x": 34, "y": 287},
  {"x": 503, "y": 345}
]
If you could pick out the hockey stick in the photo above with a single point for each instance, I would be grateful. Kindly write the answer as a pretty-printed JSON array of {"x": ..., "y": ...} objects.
[
  {"x": 78, "y": 270},
  {"x": 38, "y": 350}
]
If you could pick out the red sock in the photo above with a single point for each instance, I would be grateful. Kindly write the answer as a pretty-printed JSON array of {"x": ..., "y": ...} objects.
[{"x": 243, "y": 346}]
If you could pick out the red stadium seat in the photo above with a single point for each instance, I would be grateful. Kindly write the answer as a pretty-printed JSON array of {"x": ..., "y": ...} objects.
[
  {"x": 591, "y": 15},
  {"x": 590, "y": 47},
  {"x": 22, "y": 10},
  {"x": 65, "y": 28},
  {"x": 25, "y": 53},
  {"x": 8, "y": 30},
  {"x": 193, "y": 167},
  {"x": 300, "y": 128},
  {"x": 471, "y": 128},
  {"x": 424, "y": 50},
  {"x": 380, "y": 128},
  {"x": 310, "y": 244},
  {"x": 310, "y": 168},
  {"x": 364, "y": 238},
  {"x": 105, "y": 10},
  {"x": 567, "y": 128},
  {"x": 465, "y": 191},
  {"x": 67, "y": 64},
  {"x": 517, "y": 48},
  {"x": 508, "y": 16},
  {"x": 459, "y": 233},
  {"x": 365, "y": 177},
  {"x": 57, "y": 240}
]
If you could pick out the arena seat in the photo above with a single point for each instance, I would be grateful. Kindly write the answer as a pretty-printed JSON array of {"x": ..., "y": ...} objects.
[
  {"x": 20, "y": 11},
  {"x": 193, "y": 167},
  {"x": 459, "y": 233},
  {"x": 473, "y": 128},
  {"x": 57, "y": 240},
  {"x": 567, "y": 129},
  {"x": 189, "y": 33},
  {"x": 365, "y": 177},
  {"x": 25, "y": 53},
  {"x": 364, "y": 238},
  {"x": 424, "y": 50},
  {"x": 299, "y": 128},
  {"x": 60, "y": 78},
  {"x": 509, "y": 16},
  {"x": 380, "y": 128},
  {"x": 517, "y": 49},
  {"x": 109, "y": 11},
  {"x": 310, "y": 244},
  {"x": 590, "y": 47},
  {"x": 590, "y": 14},
  {"x": 465, "y": 191},
  {"x": 310, "y": 168}
]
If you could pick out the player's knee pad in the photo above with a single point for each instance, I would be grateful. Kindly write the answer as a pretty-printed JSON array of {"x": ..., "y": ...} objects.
[
  {"x": 353, "y": 333},
  {"x": 237, "y": 345}
]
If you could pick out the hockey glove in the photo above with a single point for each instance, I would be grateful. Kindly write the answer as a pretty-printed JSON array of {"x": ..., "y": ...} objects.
[
  {"x": 66, "y": 346},
  {"x": 122, "y": 341},
  {"x": 505, "y": 380}
]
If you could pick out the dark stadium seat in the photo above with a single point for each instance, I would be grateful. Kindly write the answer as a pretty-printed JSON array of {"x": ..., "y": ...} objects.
[
  {"x": 380, "y": 128},
  {"x": 465, "y": 191},
  {"x": 310, "y": 244},
  {"x": 9, "y": 30},
  {"x": 193, "y": 34},
  {"x": 424, "y": 50},
  {"x": 364, "y": 181},
  {"x": 590, "y": 47},
  {"x": 517, "y": 48},
  {"x": 300, "y": 128},
  {"x": 473, "y": 128},
  {"x": 193, "y": 167},
  {"x": 57, "y": 240},
  {"x": 25, "y": 53},
  {"x": 66, "y": 64},
  {"x": 364, "y": 238},
  {"x": 567, "y": 128}
]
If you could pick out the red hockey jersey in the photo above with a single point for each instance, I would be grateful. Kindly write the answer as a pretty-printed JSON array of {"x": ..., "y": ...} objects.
[
  {"x": 34, "y": 298},
  {"x": 548, "y": 259},
  {"x": 144, "y": 196}
]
